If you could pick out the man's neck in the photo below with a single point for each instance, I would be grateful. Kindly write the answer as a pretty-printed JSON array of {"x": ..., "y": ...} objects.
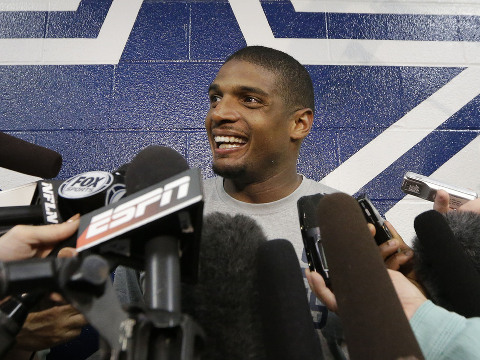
[{"x": 264, "y": 191}]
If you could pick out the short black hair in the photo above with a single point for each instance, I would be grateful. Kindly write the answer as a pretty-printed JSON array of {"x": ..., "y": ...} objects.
[{"x": 295, "y": 82}]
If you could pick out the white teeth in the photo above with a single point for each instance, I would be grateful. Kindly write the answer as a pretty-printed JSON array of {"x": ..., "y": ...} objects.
[
  {"x": 228, "y": 146},
  {"x": 229, "y": 139}
]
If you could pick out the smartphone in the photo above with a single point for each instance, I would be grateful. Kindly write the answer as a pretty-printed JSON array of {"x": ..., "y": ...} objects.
[
  {"x": 426, "y": 188},
  {"x": 382, "y": 234}
]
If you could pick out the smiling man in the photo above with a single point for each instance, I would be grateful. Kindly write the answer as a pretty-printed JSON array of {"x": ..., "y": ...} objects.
[{"x": 261, "y": 109}]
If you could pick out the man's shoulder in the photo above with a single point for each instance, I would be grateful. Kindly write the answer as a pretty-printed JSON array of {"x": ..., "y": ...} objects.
[{"x": 313, "y": 187}]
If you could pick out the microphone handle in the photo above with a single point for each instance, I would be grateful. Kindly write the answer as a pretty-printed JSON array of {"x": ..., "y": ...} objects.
[
  {"x": 13, "y": 215},
  {"x": 162, "y": 278}
]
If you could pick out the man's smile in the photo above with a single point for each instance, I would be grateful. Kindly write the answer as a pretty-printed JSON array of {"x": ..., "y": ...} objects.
[{"x": 228, "y": 142}]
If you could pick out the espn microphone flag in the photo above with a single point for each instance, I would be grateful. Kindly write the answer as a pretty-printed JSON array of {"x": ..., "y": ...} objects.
[{"x": 143, "y": 207}]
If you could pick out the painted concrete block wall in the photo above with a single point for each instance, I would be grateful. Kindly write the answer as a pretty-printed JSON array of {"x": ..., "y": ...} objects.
[{"x": 397, "y": 83}]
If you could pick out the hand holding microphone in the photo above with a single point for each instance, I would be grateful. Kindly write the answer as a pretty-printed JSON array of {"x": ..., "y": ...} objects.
[
  {"x": 81, "y": 193},
  {"x": 58, "y": 323},
  {"x": 327, "y": 297},
  {"x": 374, "y": 322},
  {"x": 410, "y": 296},
  {"x": 27, "y": 241},
  {"x": 39, "y": 331}
]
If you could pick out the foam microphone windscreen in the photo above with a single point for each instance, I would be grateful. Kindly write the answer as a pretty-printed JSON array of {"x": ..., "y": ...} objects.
[
  {"x": 224, "y": 302},
  {"x": 447, "y": 259},
  {"x": 372, "y": 317},
  {"x": 287, "y": 321},
  {"x": 151, "y": 165},
  {"x": 19, "y": 155}
]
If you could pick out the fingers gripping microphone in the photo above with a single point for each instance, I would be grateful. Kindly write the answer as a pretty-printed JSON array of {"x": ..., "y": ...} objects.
[
  {"x": 447, "y": 259},
  {"x": 22, "y": 156},
  {"x": 287, "y": 322},
  {"x": 373, "y": 320}
]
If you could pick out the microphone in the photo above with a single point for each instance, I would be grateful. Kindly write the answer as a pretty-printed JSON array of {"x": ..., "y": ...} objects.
[
  {"x": 374, "y": 323},
  {"x": 288, "y": 329},
  {"x": 311, "y": 237},
  {"x": 153, "y": 164},
  {"x": 43, "y": 210},
  {"x": 27, "y": 158},
  {"x": 446, "y": 259},
  {"x": 164, "y": 218},
  {"x": 55, "y": 201},
  {"x": 91, "y": 190},
  {"x": 225, "y": 300}
]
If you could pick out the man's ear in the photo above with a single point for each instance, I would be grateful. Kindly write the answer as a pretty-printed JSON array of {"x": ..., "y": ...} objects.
[{"x": 303, "y": 121}]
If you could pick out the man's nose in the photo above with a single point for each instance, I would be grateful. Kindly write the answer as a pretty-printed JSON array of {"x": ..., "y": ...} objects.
[{"x": 225, "y": 111}]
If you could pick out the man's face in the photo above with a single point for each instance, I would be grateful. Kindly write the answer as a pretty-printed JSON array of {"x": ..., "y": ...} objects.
[{"x": 248, "y": 123}]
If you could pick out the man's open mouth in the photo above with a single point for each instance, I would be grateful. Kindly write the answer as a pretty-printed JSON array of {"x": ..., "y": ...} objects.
[{"x": 228, "y": 142}]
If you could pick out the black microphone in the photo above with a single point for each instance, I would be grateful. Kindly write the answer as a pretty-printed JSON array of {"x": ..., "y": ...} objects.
[
  {"x": 447, "y": 261},
  {"x": 91, "y": 190},
  {"x": 22, "y": 156},
  {"x": 55, "y": 201},
  {"x": 159, "y": 186},
  {"x": 373, "y": 320},
  {"x": 312, "y": 239},
  {"x": 225, "y": 300},
  {"x": 157, "y": 224},
  {"x": 288, "y": 330},
  {"x": 42, "y": 210},
  {"x": 160, "y": 240},
  {"x": 153, "y": 164}
]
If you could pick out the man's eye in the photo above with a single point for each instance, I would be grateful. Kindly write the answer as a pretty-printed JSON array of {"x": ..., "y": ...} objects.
[
  {"x": 214, "y": 99},
  {"x": 251, "y": 99}
]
